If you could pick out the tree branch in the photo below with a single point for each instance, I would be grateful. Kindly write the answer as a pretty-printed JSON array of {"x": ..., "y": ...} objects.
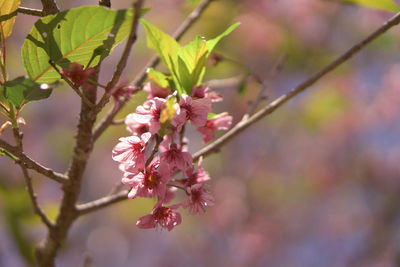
[
  {"x": 47, "y": 250},
  {"x": 49, "y": 7},
  {"x": 28, "y": 180},
  {"x": 244, "y": 124},
  {"x": 110, "y": 88},
  {"x": 185, "y": 26},
  {"x": 23, "y": 10},
  {"x": 102, "y": 202},
  {"x": 30, "y": 11},
  {"x": 31, "y": 164}
]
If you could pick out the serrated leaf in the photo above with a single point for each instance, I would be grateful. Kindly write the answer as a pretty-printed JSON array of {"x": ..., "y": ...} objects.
[
  {"x": 158, "y": 77},
  {"x": 83, "y": 35},
  {"x": 22, "y": 90},
  {"x": 8, "y": 7},
  {"x": 388, "y": 5}
]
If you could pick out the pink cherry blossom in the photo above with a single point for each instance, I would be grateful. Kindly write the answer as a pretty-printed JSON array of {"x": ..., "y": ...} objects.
[
  {"x": 135, "y": 127},
  {"x": 130, "y": 151},
  {"x": 203, "y": 91},
  {"x": 174, "y": 156},
  {"x": 198, "y": 199},
  {"x": 198, "y": 177},
  {"x": 220, "y": 122},
  {"x": 149, "y": 183},
  {"x": 162, "y": 216},
  {"x": 195, "y": 110},
  {"x": 155, "y": 90},
  {"x": 78, "y": 75},
  {"x": 149, "y": 113}
]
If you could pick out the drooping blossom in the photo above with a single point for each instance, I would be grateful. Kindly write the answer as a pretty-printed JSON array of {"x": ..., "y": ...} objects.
[
  {"x": 123, "y": 90},
  {"x": 149, "y": 114},
  {"x": 135, "y": 127},
  {"x": 220, "y": 122},
  {"x": 198, "y": 177},
  {"x": 78, "y": 75},
  {"x": 155, "y": 90},
  {"x": 174, "y": 156},
  {"x": 130, "y": 151},
  {"x": 149, "y": 183},
  {"x": 203, "y": 91},
  {"x": 195, "y": 110},
  {"x": 162, "y": 216},
  {"x": 198, "y": 199}
]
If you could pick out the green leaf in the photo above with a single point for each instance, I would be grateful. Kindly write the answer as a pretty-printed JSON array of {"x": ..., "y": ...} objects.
[
  {"x": 388, "y": 5},
  {"x": 187, "y": 64},
  {"x": 84, "y": 35},
  {"x": 22, "y": 90},
  {"x": 194, "y": 56},
  {"x": 165, "y": 46},
  {"x": 159, "y": 78}
]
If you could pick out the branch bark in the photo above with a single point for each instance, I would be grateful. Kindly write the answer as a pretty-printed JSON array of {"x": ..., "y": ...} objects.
[{"x": 47, "y": 250}]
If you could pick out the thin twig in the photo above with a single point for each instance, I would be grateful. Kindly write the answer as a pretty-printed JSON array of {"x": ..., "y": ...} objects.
[
  {"x": 118, "y": 122},
  {"x": 155, "y": 150},
  {"x": 110, "y": 88},
  {"x": 30, "y": 11},
  {"x": 265, "y": 84},
  {"x": 72, "y": 85},
  {"x": 244, "y": 124},
  {"x": 185, "y": 26},
  {"x": 31, "y": 164},
  {"x": 28, "y": 180},
  {"x": 102, "y": 202},
  {"x": 22, "y": 10}
]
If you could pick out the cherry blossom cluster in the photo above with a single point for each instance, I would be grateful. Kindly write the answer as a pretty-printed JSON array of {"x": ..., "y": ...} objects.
[{"x": 156, "y": 152}]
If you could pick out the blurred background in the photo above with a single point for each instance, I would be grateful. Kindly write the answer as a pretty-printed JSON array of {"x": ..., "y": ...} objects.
[{"x": 315, "y": 184}]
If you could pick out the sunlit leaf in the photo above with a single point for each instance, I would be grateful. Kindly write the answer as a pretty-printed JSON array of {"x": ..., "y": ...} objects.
[
  {"x": 83, "y": 35},
  {"x": 187, "y": 63},
  {"x": 8, "y": 7},
  {"x": 165, "y": 46},
  {"x": 388, "y": 5},
  {"x": 22, "y": 90},
  {"x": 158, "y": 77}
]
